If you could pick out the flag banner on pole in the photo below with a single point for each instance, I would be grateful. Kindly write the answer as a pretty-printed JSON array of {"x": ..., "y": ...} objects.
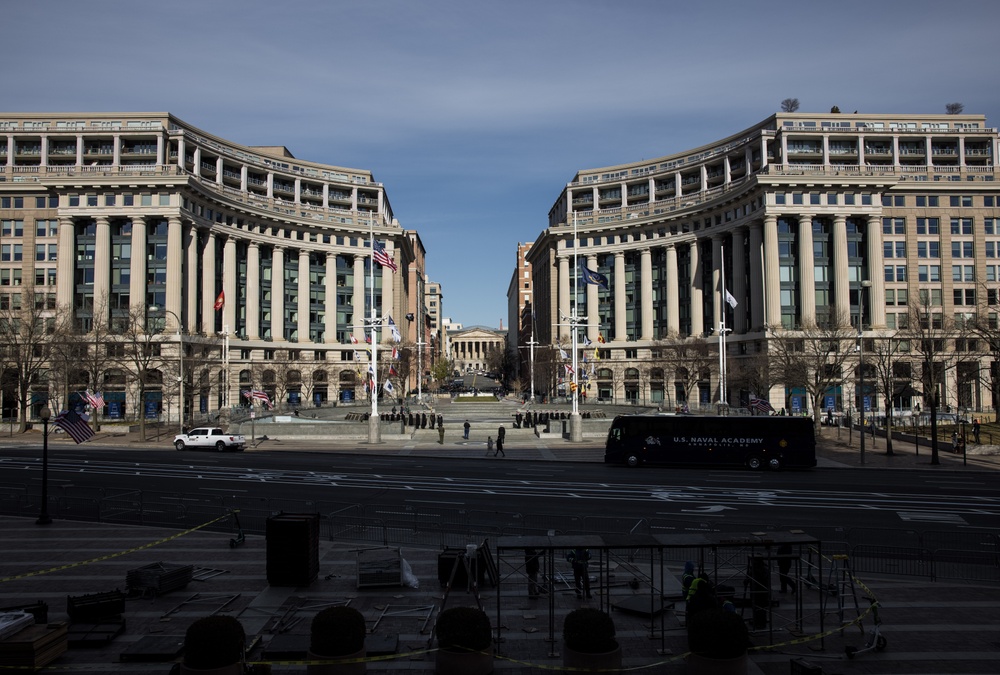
[
  {"x": 563, "y": 355},
  {"x": 357, "y": 355},
  {"x": 396, "y": 337},
  {"x": 761, "y": 405},
  {"x": 93, "y": 399},
  {"x": 395, "y": 354},
  {"x": 600, "y": 338},
  {"x": 592, "y": 277},
  {"x": 392, "y": 371},
  {"x": 597, "y": 354},
  {"x": 389, "y": 388},
  {"x": 74, "y": 425},
  {"x": 368, "y": 338},
  {"x": 261, "y": 396},
  {"x": 220, "y": 301},
  {"x": 569, "y": 369},
  {"x": 381, "y": 256},
  {"x": 587, "y": 342},
  {"x": 354, "y": 340},
  {"x": 731, "y": 300}
]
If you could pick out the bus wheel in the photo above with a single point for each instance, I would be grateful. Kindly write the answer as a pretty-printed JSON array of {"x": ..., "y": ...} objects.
[
  {"x": 632, "y": 461},
  {"x": 774, "y": 464},
  {"x": 753, "y": 463}
]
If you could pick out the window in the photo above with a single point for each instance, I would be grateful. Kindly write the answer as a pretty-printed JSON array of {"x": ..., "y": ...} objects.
[
  {"x": 929, "y": 273},
  {"x": 895, "y": 272},
  {"x": 960, "y": 200},
  {"x": 964, "y": 296},
  {"x": 894, "y": 226},
  {"x": 894, "y": 249},
  {"x": 923, "y": 200},
  {"x": 961, "y": 225},
  {"x": 928, "y": 249},
  {"x": 928, "y": 226},
  {"x": 963, "y": 273},
  {"x": 961, "y": 249}
]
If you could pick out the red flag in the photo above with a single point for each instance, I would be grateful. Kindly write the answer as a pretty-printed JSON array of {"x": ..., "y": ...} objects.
[{"x": 220, "y": 301}]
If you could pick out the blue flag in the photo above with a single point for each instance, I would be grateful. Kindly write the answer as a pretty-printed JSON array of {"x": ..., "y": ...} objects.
[{"x": 591, "y": 277}]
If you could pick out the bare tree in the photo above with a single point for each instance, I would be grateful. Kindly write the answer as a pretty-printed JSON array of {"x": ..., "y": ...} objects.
[
  {"x": 27, "y": 338},
  {"x": 689, "y": 361},
  {"x": 884, "y": 356},
  {"x": 934, "y": 338},
  {"x": 790, "y": 105},
  {"x": 442, "y": 371},
  {"x": 954, "y": 108},
  {"x": 813, "y": 359},
  {"x": 753, "y": 373},
  {"x": 137, "y": 350}
]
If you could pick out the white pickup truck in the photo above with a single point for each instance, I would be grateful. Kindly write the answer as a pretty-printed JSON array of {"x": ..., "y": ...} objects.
[{"x": 210, "y": 437}]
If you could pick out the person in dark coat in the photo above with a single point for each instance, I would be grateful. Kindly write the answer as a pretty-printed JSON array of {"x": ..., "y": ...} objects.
[
  {"x": 532, "y": 564},
  {"x": 785, "y": 558},
  {"x": 500, "y": 436},
  {"x": 579, "y": 558}
]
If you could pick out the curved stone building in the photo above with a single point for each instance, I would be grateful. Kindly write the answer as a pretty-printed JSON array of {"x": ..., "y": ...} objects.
[
  {"x": 812, "y": 219},
  {"x": 255, "y": 263}
]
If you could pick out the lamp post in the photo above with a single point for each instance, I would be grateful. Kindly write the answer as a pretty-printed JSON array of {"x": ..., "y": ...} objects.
[
  {"x": 43, "y": 516},
  {"x": 180, "y": 362},
  {"x": 861, "y": 361}
]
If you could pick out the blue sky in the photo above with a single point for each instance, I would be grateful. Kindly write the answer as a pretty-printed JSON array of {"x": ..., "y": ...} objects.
[{"x": 474, "y": 115}]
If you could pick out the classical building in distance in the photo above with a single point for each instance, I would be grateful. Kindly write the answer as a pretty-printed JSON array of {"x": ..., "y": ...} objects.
[
  {"x": 253, "y": 263},
  {"x": 816, "y": 222}
]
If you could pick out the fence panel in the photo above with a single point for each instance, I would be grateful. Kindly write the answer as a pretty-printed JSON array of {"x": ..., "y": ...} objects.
[
  {"x": 910, "y": 561},
  {"x": 966, "y": 565}
]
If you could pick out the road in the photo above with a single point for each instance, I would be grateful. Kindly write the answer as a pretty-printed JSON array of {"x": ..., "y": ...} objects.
[{"x": 688, "y": 498}]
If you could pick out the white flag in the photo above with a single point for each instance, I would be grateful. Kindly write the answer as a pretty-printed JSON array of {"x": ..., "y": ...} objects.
[{"x": 731, "y": 300}]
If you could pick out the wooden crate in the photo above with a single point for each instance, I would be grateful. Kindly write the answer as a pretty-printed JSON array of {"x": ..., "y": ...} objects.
[{"x": 35, "y": 646}]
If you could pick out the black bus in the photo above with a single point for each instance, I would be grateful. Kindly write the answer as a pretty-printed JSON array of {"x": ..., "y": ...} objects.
[{"x": 755, "y": 442}]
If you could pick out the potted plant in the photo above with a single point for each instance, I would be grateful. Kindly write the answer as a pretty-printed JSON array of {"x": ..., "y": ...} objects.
[
  {"x": 338, "y": 633},
  {"x": 214, "y": 645},
  {"x": 589, "y": 641},
  {"x": 718, "y": 641},
  {"x": 465, "y": 640}
]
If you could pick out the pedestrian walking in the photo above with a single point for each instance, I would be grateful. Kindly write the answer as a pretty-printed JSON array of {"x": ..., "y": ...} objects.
[
  {"x": 975, "y": 430},
  {"x": 441, "y": 434},
  {"x": 489, "y": 444},
  {"x": 579, "y": 558},
  {"x": 500, "y": 436},
  {"x": 532, "y": 564},
  {"x": 466, "y": 427},
  {"x": 785, "y": 558}
]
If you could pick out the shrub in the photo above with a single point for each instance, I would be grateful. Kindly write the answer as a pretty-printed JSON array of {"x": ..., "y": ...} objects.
[
  {"x": 589, "y": 630},
  {"x": 463, "y": 629},
  {"x": 337, "y": 631},
  {"x": 214, "y": 642},
  {"x": 717, "y": 634}
]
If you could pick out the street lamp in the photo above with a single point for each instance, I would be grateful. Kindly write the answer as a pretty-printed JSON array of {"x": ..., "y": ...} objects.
[
  {"x": 43, "y": 516},
  {"x": 861, "y": 361},
  {"x": 180, "y": 360}
]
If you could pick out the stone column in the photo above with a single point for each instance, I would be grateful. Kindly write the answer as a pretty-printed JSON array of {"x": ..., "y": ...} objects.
[
  {"x": 190, "y": 299},
  {"x": 66, "y": 262},
  {"x": 278, "y": 295},
  {"x": 359, "y": 297},
  {"x": 253, "y": 291},
  {"x": 716, "y": 281},
  {"x": 564, "y": 299},
  {"x": 593, "y": 319},
  {"x": 209, "y": 290},
  {"x": 137, "y": 268},
  {"x": 874, "y": 253},
  {"x": 739, "y": 282},
  {"x": 330, "y": 302},
  {"x": 697, "y": 292},
  {"x": 646, "y": 290},
  {"x": 806, "y": 279},
  {"x": 175, "y": 271},
  {"x": 673, "y": 301},
  {"x": 302, "y": 309},
  {"x": 102, "y": 268},
  {"x": 839, "y": 269},
  {"x": 772, "y": 277},
  {"x": 757, "y": 289},
  {"x": 229, "y": 284},
  {"x": 618, "y": 286}
]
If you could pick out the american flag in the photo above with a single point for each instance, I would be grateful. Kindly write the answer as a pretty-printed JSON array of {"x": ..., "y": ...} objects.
[
  {"x": 257, "y": 395},
  {"x": 761, "y": 405},
  {"x": 74, "y": 425},
  {"x": 382, "y": 256},
  {"x": 94, "y": 399}
]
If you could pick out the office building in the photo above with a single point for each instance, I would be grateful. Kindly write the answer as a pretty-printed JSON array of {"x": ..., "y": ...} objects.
[
  {"x": 254, "y": 263},
  {"x": 813, "y": 220}
]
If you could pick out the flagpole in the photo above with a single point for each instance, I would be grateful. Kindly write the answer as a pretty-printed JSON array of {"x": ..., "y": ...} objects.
[
  {"x": 722, "y": 327},
  {"x": 374, "y": 431},
  {"x": 575, "y": 424}
]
